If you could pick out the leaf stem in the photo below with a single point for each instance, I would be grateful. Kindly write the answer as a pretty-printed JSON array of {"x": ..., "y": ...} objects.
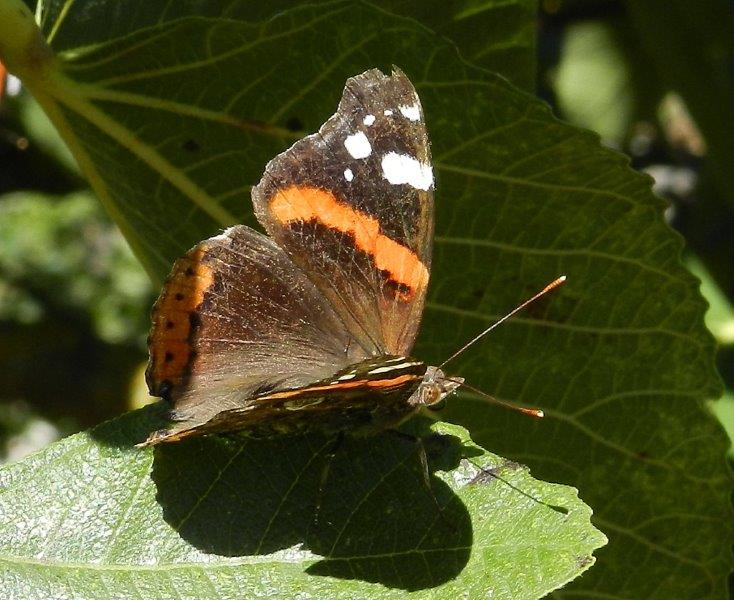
[{"x": 22, "y": 47}]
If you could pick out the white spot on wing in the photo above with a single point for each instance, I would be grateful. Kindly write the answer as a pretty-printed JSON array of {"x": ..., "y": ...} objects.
[
  {"x": 347, "y": 376},
  {"x": 387, "y": 112},
  {"x": 222, "y": 236},
  {"x": 401, "y": 168},
  {"x": 358, "y": 145},
  {"x": 412, "y": 113},
  {"x": 368, "y": 120},
  {"x": 404, "y": 365},
  {"x": 348, "y": 175}
]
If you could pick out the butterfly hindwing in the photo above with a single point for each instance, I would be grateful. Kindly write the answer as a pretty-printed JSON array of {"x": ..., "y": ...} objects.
[{"x": 237, "y": 318}]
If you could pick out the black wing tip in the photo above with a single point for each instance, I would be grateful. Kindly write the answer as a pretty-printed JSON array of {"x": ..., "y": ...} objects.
[{"x": 376, "y": 76}]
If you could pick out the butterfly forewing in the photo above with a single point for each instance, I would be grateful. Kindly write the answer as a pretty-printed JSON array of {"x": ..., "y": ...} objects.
[{"x": 353, "y": 206}]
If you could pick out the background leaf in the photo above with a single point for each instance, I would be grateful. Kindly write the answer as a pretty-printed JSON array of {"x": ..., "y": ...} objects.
[
  {"x": 232, "y": 127},
  {"x": 497, "y": 34},
  {"x": 167, "y": 524},
  {"x": 173, "y": 121}
]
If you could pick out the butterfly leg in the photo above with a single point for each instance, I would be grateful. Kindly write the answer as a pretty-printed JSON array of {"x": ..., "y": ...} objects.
[
  {"x": 330, "y": 454},
  {"x": 423, "y": 457}
]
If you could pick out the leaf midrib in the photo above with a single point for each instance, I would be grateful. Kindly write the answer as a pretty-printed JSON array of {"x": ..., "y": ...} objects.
[{"x": 251, "y": 560}]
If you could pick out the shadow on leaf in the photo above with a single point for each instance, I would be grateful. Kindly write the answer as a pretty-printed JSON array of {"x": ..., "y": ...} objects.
[{"x": 377, "y": 521}]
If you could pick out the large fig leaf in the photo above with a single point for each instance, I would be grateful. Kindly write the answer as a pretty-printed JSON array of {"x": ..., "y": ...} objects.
[{"x": 94, "y": 517}]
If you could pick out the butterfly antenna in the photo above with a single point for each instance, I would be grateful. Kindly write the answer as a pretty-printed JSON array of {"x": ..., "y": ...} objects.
[
  {"x": 550, "y": 287},
  {"x": 533, "y": 412}
]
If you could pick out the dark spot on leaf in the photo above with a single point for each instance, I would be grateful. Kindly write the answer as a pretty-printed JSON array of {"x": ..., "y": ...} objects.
[
  {"x": 642, "y": 455},
  {"x": 191, "y": 145},
  {"x": 494, "y": 474},
  {"x": 559, "y": 509},
  {"x": 485, "y": 476},
  {"x": 489, "y": 475},
  {"x": 584, "y": 561},
  {"x": 294, "y": 124}
]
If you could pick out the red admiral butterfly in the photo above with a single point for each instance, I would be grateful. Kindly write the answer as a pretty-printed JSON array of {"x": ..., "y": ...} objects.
[{"x": 311, "y": 328}]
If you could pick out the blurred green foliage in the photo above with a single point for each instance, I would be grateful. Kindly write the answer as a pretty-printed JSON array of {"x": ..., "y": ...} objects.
[
  {"x": 61, "y": 255},
  {"x": 69, "y": 287}
]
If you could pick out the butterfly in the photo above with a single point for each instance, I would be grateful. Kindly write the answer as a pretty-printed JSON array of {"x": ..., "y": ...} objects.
[{"x": 311, "y": 327}]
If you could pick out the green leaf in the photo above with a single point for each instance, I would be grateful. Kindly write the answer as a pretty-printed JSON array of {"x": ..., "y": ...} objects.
[
  {"x": 85, "y": 267},
  {"x": 723, "y": 408},
  {"x": 168, "y": 524},
  {"x": 497, "y": 34},
  {"x": 174, "y": 121},
  {"x": 104, "y": 91}
]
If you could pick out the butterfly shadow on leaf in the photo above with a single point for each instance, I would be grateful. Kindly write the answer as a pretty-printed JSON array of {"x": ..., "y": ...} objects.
[{"x": 376, "y": 520}]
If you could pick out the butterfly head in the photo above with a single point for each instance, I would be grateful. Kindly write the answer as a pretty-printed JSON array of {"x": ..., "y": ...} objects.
[{"x": 434, "y": 388}]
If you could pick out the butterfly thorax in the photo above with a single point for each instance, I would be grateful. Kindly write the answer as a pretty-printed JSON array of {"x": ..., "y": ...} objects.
[{"x": 370, "y": 396}]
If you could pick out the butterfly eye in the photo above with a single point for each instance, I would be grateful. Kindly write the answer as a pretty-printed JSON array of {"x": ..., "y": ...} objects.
[{"x": 431, "y": 394}]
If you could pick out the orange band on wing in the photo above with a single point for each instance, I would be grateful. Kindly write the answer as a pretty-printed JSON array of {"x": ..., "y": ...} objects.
[
  {"x": 348, "y": 385},
  {"x": 170, "y": 350},
  {"x": 300, "y": 203}
]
